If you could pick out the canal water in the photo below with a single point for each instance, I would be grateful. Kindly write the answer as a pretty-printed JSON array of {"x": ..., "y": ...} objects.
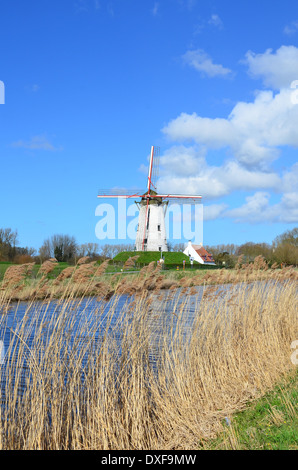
[{"x": 80, "y": 326}]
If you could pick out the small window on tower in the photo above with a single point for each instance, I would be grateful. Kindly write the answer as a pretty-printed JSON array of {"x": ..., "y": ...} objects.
[{"x": 158, "y": 227}]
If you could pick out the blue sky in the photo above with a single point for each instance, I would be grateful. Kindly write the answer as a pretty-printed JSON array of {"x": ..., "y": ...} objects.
[{"x": 90, "y": 85}]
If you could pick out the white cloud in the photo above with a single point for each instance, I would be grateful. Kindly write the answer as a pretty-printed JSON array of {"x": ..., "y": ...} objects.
[
  {"x": 199, "y": 60},
  {"x": 254, "y": 208},
  {"x": 215, "y": 133},
  {"x": 155, "y": 9},
  {"x": 35, "y": 87},
  {"x": 278, "y": 69},
  {"x": 216, "y": 21},
  {"x": 183, "y": 161},
  {"x": 32, "y": 88},
  {"x": 290, "y": 180},
  {"x": 86, "y": 5},
  {"x": 191, "y": 174},
  {"x": 143, "y": 169},
  {"x": 186, "y": 171},
  {"x": 188, "y": 4},
  {"x": 80, "y": 6},
  {"x": 38, "y": 142},
  {"x": 289, "y": 208},
  {"x": 110, "y": 9},
  {"x": 291, "y": 28},
  {"x": 254, "y": 132},
  {"x": 257, "y": 209},
  {"x": 213, "y": 211}
]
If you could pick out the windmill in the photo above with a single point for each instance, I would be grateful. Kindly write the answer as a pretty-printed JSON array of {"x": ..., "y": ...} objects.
[{"x": 151, "y": 231}]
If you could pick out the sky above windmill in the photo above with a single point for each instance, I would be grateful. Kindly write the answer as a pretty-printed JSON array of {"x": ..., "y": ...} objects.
[{"x": 90, "y": 85}]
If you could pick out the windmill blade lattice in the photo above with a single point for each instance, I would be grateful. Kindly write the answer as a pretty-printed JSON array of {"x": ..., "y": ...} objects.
[
  {"x": 120, "y": 192},
  {"x": 155, "y": 167}
]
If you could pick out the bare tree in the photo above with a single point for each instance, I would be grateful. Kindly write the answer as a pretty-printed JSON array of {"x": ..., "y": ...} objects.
[
  {"x": 8, "y": 241},
  {"x": 251, "y": 250},
  {"x": 45, "y": 251},
  {"x": 61, "y": 247},
  {"x": 88, "y": 249},
  {"x": 177, "y": 247},
  {"x": 110, "y": 251}
]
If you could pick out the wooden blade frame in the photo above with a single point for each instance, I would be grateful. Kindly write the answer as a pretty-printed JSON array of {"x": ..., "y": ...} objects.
[{"x": 148, "y": 194}]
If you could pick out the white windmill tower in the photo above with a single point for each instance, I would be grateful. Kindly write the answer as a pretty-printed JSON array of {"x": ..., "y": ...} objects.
[{"x": 151, "y": 231}]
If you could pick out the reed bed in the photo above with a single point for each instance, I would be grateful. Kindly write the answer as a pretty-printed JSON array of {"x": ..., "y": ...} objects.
[
  {"x": 88, "y": 278},
  {"x": 142, "y": 376}
]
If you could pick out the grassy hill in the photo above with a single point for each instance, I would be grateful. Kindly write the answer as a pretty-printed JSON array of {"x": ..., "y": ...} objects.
[
  {"x": 145, "y": 257},
  {"x": 171, "y": 259}
]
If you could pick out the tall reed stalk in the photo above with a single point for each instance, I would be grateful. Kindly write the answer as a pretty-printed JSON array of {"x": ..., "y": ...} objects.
[{"x": 143, "y": 376}]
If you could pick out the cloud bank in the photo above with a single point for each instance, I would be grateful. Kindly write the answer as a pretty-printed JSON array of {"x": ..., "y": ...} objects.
[{"x": 252, "y": 137}]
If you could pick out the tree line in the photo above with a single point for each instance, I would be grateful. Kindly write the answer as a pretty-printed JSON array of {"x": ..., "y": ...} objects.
[
  {"x": 283, "y": 250},
  {"x": 62, "y": 247}
]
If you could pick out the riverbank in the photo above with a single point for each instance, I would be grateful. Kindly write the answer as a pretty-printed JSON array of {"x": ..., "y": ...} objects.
[
  {"x": 269, "y": 423},
  {"x": 91, "y": 279}
]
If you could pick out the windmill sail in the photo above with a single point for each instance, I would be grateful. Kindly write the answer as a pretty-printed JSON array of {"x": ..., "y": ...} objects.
[
  {"x": 120, "y": 192},
  {"x": 155, "y": 152},
  {"x": 180, "y": 198}
]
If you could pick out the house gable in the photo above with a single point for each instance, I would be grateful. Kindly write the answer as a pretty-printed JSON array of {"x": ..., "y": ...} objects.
[{"x": 199, "y": 254}]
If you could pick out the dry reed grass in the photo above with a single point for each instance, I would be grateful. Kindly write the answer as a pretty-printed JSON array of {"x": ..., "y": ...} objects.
[
  {"x": 237, "y": 348},
  {"x": 88, "y": 278},
  {"x": 130, "y": 263},
  {"x": 15, "y": 274}
]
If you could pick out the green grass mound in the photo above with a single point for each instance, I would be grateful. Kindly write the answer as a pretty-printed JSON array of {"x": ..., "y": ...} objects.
[
  {"x": 171, "y": 259},
  {"x": 145, "y": 257}
]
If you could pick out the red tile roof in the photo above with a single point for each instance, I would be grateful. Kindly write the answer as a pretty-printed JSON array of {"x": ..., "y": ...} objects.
[{"x": 206, "y": 257}]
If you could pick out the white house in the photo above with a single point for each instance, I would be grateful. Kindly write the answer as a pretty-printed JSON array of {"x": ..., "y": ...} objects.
[{"x": 199, "y": 254}]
